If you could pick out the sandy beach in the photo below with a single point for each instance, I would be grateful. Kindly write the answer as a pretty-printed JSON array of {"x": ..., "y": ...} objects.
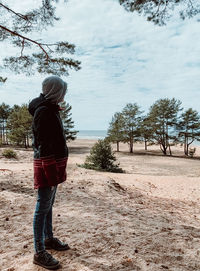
[{"x": 146, "y": 219}]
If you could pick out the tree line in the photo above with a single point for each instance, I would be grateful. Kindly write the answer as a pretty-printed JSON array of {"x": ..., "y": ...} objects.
[
  {"x": 166, "y": 124},
  {"x": 16, "y": 123}
]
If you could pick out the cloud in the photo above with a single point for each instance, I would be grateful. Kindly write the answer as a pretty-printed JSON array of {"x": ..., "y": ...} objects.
[{"x": 124, "y": 59}]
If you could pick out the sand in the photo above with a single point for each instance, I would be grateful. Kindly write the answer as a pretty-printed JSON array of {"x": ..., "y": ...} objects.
[{"x": 145, "y": 219}]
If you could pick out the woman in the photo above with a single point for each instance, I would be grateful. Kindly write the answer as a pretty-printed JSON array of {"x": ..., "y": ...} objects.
[{"x": 50, "y": 160}]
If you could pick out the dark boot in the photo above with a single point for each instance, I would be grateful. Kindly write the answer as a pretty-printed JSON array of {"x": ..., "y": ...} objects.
[
  {"x": 55, "y": 243},
  {"x": 45, "y": 260}
]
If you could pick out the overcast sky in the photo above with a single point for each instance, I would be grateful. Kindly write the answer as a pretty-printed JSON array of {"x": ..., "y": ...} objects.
[{"x": 124, "y": 59}]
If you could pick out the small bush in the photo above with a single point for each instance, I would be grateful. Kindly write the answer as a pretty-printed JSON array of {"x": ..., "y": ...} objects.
[
  {"x": 102, "y": 158},
  {"x": 9, "y": 153}
]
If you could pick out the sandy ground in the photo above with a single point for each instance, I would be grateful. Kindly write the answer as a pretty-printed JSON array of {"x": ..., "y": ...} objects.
[{"x": 145, "y": 219}]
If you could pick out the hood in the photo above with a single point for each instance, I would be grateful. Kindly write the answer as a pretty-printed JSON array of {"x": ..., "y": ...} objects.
[
  {"x": 54, "y": 89},
  {"x": 41, "y": 101}
]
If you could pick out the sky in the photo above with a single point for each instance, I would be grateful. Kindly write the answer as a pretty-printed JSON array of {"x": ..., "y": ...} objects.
[{"x": 124, "y": 59}]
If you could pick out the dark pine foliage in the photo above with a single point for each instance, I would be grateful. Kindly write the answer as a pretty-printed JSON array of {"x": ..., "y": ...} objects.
[
  {"x": 34, "y": 55},
  {"x": 68, "y": 123},
  {"x": 102, "y": 158},
  {"x": 159, "y": 11}
]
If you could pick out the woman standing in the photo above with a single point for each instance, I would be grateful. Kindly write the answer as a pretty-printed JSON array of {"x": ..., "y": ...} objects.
[{"x": 50, "y": 160}]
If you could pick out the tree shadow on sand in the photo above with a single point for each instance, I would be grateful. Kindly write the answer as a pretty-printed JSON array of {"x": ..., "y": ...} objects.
[
  {"x": 79, "y": 150},
  {"x": 16, "y": 188},
  {"x": 158, "y": 154}
]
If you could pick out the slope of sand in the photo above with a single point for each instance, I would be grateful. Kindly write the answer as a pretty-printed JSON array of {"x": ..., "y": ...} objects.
[{"x": 146, "y": 219}]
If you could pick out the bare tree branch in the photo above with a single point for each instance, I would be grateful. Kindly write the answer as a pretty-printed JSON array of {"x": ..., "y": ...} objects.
[
  {"x": 12, "y": 11},
  {"x": 15, "y": 28},
  {"x": 25, "y": 38}
]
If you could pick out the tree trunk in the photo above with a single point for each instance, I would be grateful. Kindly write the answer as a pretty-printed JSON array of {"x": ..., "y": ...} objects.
[
  {"x": 131, "y": 145},
  {"x": 163, "y": 149},
  {"x": 188, "y": 144},
  {"x": 170, "y": 152},
  {"x": 117, "y": 146},
  {"x": 6, "y": 134},
  {"x": 163, "y": 145},
  {"x": 187, "y": 147},
  {"x": 3, "y": 133},
  {"x": 28, "y": 141},
  {"x": 145, "y": 144}
]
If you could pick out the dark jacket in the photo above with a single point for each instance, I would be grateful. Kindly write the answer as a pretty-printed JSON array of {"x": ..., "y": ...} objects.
[{"x": 49, "y": 143}]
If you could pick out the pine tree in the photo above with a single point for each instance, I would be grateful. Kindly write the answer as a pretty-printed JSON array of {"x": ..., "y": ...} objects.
[
  {"x": 163, "y": 117},
  {"x": 19, "y": 125},
  {"x": 189, "y": 127},
  {"x": 146, "y": 131},
  {"x": 102, "y": 158},
  {"x": 68, "y": 123},
  {"x": 4, "y": 114},
  {"x": 132, "y": 122},
  {"x": 115, "y": 132}
]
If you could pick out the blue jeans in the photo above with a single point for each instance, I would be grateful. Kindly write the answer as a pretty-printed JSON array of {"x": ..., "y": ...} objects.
[{"x": 42, "y": 222}]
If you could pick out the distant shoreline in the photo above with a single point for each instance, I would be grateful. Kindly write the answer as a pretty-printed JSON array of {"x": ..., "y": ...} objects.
[
  {"x": 101, "y": 134},
  {"x": 92, "y": 134},
  {"x": 90, "y": 137},
  {"x": 136, "y": 145}
]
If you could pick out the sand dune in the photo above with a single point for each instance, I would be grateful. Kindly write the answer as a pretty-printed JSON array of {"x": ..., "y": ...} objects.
[{"x": 146, "y": 219}]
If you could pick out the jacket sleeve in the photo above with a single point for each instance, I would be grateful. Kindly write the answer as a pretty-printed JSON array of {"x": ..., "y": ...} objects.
[{"x": 44, "y": 132}]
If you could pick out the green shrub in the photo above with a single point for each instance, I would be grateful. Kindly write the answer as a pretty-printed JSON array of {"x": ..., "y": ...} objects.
[
  {"x": 102, "y": 158},
  {"x": 9, "y": 153}
]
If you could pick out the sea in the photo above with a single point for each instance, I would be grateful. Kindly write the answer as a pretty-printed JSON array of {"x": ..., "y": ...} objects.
[
  {"x": 92, "y": 134},
  {"x": 101, "y": 134}
]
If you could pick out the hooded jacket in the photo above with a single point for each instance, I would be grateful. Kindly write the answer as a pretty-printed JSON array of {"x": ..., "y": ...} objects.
[
  {"x": 49, "y": 143},
  {"x": 54, "y": 89}
]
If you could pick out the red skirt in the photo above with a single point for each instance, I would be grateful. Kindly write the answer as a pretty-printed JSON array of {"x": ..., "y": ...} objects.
[{"x": 49, "y": 171}]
